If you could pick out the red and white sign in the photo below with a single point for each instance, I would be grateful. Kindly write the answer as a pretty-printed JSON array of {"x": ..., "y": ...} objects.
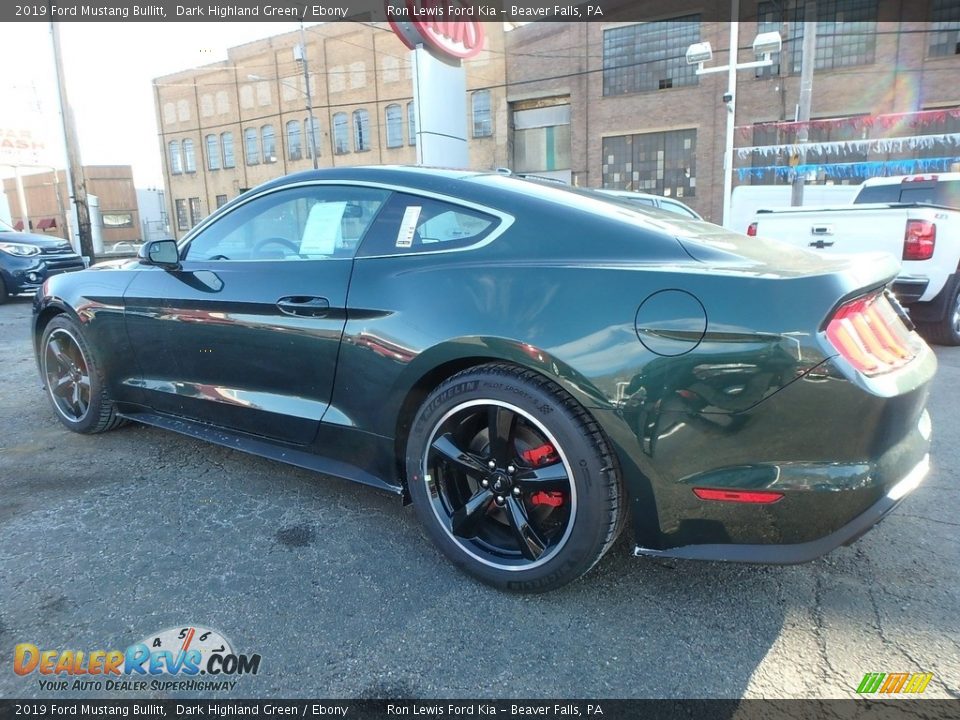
[
  {"x": 427, "y": 22},
  {"x": 19, "y": 146}
]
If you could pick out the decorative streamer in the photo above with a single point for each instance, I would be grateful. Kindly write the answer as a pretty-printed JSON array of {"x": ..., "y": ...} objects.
[
  {"x": 918, "y": 119},
  {"x": 882, "y": 145},
  {"x": 877, "y": 168}
]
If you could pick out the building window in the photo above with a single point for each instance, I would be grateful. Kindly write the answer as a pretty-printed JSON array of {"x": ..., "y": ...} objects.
[
  {"x": 213, "y": 153},
  {"x": 189, "y": 157},
  {"x": 269, "y": 142},
  {"x": 226, "y": 142},
  {"x": 169, "y": 113},
  {"x": 649, "y": 56},
  {"x": 394, "y": 117},
  {"x": 181, "y": 207},
  {"x": 846, "y": 32},
  {"x": 482, "y": 120},
  {"x": 661, "y": 163},
  {"x": 341, "y": 134},
  {"x": 176, "y": 159},
  {"x": 944, "y": 37},
  {"x": 411, "y": 124},
  {"x": 194, "y": 211},
  {"x": 358, "y": 74},
  {"x": 391, "y": 69},
  {"x": 251, "y": 147},
  {"x": 294, "y": 148},
  {"x": 308, "y": 148},
  {"x": 116, "y": 220},
  {"x": 361, "y": 130},
  {"x": 221, "y": 201}
]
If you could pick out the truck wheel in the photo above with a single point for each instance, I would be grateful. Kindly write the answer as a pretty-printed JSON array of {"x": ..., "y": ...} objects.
[
  {"x": 947, "y": 331},
  {"x": 3, "y": 292}
]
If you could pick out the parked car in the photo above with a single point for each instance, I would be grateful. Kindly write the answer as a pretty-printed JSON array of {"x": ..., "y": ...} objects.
[
  {"x": 26, "y": 260},
  {"x": 652, "y": 201},
  {"x": 915, "y": 218},
  {"x": 526, "y": 364},
  {"x": 124, "y": 247}
]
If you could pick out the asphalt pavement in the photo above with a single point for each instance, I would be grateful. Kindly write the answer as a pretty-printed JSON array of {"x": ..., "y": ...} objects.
[{"x": 107, "y": 540}]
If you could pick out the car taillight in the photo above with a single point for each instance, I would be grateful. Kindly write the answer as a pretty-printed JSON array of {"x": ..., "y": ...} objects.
[
  {"x": 870, "y": 335},
  {"x": 919, "y": 239},
  {"x": 752, "y": 229}
]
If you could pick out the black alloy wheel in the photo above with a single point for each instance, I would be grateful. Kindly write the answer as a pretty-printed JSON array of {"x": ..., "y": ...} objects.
[
  {"x": 499, "y": 484},
  {"x": 73, "y": 380},
  {"x": 512, "y": 479}
]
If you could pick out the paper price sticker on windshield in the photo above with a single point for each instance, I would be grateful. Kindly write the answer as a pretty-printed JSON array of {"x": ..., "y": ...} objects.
[{"x": 408, "y": 226}]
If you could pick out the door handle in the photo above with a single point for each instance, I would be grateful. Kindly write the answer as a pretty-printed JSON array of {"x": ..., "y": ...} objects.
[{"x": 304, "y": 305}]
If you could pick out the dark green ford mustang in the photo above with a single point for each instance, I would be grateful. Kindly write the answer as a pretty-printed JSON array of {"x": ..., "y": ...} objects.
[{"x": 529, "y": 365}]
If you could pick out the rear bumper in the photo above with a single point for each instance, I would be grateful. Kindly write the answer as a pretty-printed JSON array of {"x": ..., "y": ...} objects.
[
  {"x": 791, "y": 554},
  {"x": 909, "y": 290}
]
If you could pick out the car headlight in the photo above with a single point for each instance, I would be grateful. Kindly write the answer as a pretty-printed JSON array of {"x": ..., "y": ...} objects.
[{"x": 19, "y": 249}]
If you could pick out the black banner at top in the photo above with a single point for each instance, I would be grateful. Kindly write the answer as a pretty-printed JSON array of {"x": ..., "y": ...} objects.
[
  {"x": 432, "y": 709},
  {"x": 436, "y": 10}
]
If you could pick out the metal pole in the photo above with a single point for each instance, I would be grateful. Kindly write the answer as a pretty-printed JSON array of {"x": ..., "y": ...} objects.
[
  {"x": 806, "y": 94},
  {"x": 731, "y": 111},
  {"x": 306, "y": 82},
  {"x": 74, "y": 165}
]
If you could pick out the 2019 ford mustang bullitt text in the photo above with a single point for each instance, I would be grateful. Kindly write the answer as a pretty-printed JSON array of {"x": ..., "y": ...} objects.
[{"x": 527, "y": 364}]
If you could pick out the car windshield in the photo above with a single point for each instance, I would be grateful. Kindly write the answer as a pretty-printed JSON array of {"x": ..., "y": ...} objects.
[{"x": 4, "y": 227}]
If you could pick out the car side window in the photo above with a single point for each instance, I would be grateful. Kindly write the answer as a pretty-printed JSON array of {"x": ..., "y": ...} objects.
[
  {"x": 410, "y": 224},
  {"x": 312, "y": 222},
  {"x": 648, "y": 202},
  {"x": 678, "y": 209}
]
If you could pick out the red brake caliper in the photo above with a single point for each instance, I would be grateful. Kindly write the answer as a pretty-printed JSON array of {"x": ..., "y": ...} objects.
[{"x": 539, "y": 456}]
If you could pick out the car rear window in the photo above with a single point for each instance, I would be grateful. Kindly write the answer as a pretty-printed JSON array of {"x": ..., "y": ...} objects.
[{"x": 946, "y": 193}]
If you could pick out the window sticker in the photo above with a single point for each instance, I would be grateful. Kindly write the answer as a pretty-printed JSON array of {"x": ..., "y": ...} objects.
[
  {"x": 322, "y": 231},
  {"x": 408, "y": 226}
]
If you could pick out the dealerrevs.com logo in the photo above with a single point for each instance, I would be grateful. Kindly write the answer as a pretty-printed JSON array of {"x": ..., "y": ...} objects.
[{"x": 174, "y": 659}]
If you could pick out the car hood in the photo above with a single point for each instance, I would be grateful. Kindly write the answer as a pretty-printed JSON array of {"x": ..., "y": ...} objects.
[
  {"x": 116, "y": 264},
  {"x": 44, "y": 242}
]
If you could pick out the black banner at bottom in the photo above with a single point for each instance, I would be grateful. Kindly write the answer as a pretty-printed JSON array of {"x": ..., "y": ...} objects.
[{"x": 481, "y": 709}]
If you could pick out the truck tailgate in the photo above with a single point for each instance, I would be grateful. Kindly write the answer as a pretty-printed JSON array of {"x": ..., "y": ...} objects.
[{"x": 863, "y": 228}]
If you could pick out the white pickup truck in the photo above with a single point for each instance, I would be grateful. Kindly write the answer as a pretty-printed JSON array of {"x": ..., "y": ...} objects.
[{"x": 914, "y": 218}]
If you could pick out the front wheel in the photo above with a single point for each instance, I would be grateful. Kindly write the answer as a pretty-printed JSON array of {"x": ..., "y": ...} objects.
[
  {"x": 512, "y": 479},
  {"x": 72, "y": 377}
]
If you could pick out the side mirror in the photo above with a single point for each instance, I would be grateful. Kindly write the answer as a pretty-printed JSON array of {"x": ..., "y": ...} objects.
[{"x": 162, "y": 253}]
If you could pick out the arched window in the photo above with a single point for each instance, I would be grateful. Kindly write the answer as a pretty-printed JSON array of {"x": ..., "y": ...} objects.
[
  {"x": 269, "y": 143},
  {"x": 341, "y": 134},
  {"x": 251, "y": 148},
  {"x": 189, "y": 157},
  {"x": 294, "y": 147},
  {"x": 213, "y": 153},
  {"x": 226, "y": 142},
  {"x": 411, "y": 124},
  {"x": 394, "y": 117},
  {"x": 316, "y": 136},
  {"x": 482, "y": 119},
  {"x": 176, "y": 159},
  {"x": 361, "y": 130}
]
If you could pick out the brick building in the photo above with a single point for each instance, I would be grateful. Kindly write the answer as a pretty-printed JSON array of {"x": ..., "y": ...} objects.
[
  {"x": 621, "y": 108},
  {"x": 111, "y": 184},
  {"x": 232, "y": 125},
  {"x": 598, "y": 104}
]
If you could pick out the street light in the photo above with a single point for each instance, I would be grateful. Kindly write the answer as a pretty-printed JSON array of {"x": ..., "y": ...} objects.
[{"x": 764, "y": 45}]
